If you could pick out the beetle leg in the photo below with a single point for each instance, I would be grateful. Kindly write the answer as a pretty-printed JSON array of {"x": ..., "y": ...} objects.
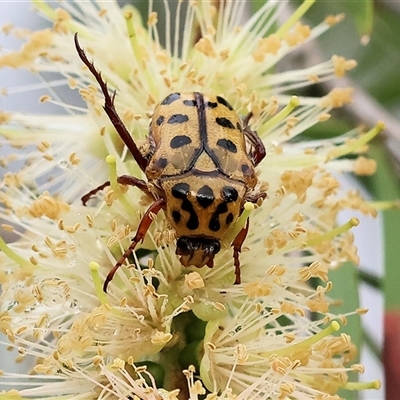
[
  {"x": 86, "y": 197},
  {"x": 144, "y": 225},
  {"x": 132, "y": 181},
  {"x": 110, "y": 110},
  {"x": 237, "y": 248},
  {"x": 258, "y": 151},
  {"x": 254, "y": 197},
  {"x": 123, "y": 180}
]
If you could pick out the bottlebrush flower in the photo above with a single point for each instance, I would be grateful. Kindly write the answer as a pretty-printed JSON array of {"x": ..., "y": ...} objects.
[{"x": 164, "y": 331}]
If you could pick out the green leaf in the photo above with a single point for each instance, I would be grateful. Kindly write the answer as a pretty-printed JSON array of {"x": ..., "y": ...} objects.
[
  {"x": 377, "y": 71},
  {"x": 362, "y": 11},
  {"x": 345, "y": 292},
  {"x": 384, "y": 186},
  {"x": 255, "y": 5}
]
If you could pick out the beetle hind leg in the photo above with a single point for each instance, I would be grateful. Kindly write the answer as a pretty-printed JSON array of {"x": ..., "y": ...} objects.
[
  {"x": 237, "y": 248},
  {"x": 143, "y": 227}
]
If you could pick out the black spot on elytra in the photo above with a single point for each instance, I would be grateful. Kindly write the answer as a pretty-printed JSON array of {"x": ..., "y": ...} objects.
[
  {"x": 171, "y": 98},
  {"x": 227, "y": 145},
  {"x": 246, "y": 169},
  {"x": 178, "y": 119},
  {"x": 179, "y": 141},
  {"x": 189, "y": 103},
  {"x": 161, "y": 163},
  {"x": 176, "y": 215},
  {"x": 222, "y": 101},
  {"x": 229, "y": 218},
  {"x": 224, "y": 122},
  {"x": 211, "y": 104},
  {"x": 229, "y": 194},
  {"x": 180, "y": 190},
  {"x": 214, "y": 224},
  {"x": 205, "y": 196},
  {"x": 193, "y": 221},
  {"x": 160, "y": 120}
]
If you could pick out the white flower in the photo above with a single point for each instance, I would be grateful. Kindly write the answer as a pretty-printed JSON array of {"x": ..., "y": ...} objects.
[{"x": 253, "y": 340}]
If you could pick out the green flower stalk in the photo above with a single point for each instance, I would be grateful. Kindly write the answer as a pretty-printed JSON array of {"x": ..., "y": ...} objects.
[{"x": 164, "y": 331}]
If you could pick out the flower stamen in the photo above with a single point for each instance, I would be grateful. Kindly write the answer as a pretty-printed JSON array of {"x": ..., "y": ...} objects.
[
  {"x": 363, "y": 385},
  {"x": 255, "y": 340},
  {"x": 353, "y": 145},
  {"x": 385, "y": 205},
  {"x": 14, "y": 256},
  {"x": 98, "y": 285},
  {"x": 333, "y": 233},
  {"x": 334, "y": 326},
  {"x": 295, "y": 17},
  {"x": 293, "y": 103},
  {"x": 240, "y": 223},
  {"x": 112, "y": 173}
]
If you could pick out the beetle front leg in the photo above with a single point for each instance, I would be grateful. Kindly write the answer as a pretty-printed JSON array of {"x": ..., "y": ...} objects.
[
  {"x": 237, "y": 248},
  {"x": 144, "y": 226},
  {"x": 122, "y": 180},
  {"x": 110, "y": 110}
]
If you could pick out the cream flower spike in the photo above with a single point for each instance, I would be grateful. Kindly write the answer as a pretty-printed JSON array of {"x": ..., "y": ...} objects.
[{"x": 165, "y": 331}]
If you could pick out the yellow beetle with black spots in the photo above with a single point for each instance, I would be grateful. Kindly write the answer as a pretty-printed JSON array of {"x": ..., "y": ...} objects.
[{"x": 200, "y": 168}]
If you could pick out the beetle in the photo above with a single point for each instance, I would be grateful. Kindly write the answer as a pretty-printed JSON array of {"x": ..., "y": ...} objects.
[{"x": 199, "y": 163}]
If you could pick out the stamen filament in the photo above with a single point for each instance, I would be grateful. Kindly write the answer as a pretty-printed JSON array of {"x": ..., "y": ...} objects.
[
  {"x": 294, "y": 17},
  {"x": 293, "y": 103},
  {"x": 333, "y": 327},
  {"x": 42, "y": 6},
  {"x": 240, "y": 223},
  {"x": 8, "y": 133},
  {"x": 51, "y": 13},
  {"x": 112, "y": 173},
  {"x": 129, "y": 17},
  {"x": 352, "y": 146},
  {"x": 98, "y": 285},
  {"x": 363, "y": 385},
  {"x": 130, "y": 14},
  {"x": 14, "y": 256},
  {"x": 333, "y": 233},
  {"x": 15, "y": 396},
  {"x": 385, "y": 205}
]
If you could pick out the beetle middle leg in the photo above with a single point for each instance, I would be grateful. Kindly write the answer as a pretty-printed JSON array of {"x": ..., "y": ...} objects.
[
  {"x": 123, "y": 180},
  {"x": 255, "y": 197},
  {"x": 237, "y": 248},
  {"x": 258, "y": 151},
  {"x": 143, "y": 227}
]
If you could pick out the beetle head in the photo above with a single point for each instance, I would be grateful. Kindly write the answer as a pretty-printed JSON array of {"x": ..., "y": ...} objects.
[{"x": 197, "y": 251}]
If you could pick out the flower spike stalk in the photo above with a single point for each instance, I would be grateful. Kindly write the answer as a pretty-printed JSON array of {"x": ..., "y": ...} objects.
[{"x": 165, "y": 331}]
